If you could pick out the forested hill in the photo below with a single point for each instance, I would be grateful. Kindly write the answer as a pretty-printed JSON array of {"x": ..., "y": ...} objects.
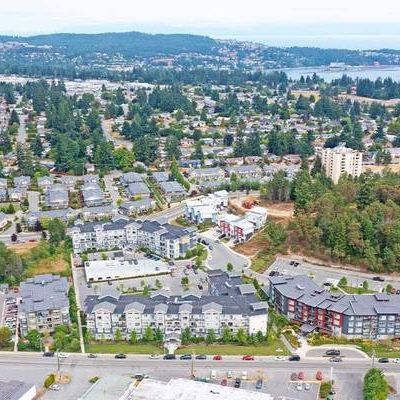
[{"x": 126, "y": 43}]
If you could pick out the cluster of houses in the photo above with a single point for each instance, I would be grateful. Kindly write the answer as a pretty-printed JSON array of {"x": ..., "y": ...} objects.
[{"x": 213, "y": 208}]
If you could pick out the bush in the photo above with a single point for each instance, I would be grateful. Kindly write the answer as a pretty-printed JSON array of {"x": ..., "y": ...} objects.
[
  {"x": 325, "y": 389},
  {"x": 375, "y": 385},
  {"x": 94, "y": 379},
  {"x": 49, "y": 380}
]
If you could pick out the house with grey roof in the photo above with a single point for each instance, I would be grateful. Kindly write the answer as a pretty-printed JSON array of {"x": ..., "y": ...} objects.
[
  {"x": 98, "y": 213},
  {"x": 68, "y": 181},
  {"x": 225, "y": 306},
  {"x": 3, "y": 183},
  {"x": 4, "y": 219},
  {"x": 246, "y": 172},
  {"x": 136, "y": 207},
  {"x": 207, "y": 174},
  {"x": 365, "y": 316},
  {"x": 44, "y": 303},
  {"x": 138, "y": 189},
  {"x": 17, "y": 193},
  {"x": 57, "y": 197},
  {"x": 45, "y": 182},
  {"x": 3, "y": 194},
  {"x": 93, "y": 195},
  {"x": 63, "y": 214},
  {"x": 131, "y": 177},
  {"x": 160, "y": 176},
  {"x": 22, "y": 181},
  {"x": 173, "y": 191}
]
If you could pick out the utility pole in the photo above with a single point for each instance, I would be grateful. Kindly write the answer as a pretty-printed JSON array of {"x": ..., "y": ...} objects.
[
  {"x": 58, "y": 364},
  {"x": 192, "y": 365}
]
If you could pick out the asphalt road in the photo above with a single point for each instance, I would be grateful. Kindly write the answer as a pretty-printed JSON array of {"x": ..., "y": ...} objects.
[{"x": 33, "y": 367}]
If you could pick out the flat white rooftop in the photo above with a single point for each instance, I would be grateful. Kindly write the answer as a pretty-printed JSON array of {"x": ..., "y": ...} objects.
[
  {"x": 184, "y": 389},
  {"x": 102, "y": 270},
  {"x": 111, "y": 387}
]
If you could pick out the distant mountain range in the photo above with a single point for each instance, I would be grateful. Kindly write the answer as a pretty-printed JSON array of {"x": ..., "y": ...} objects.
[{"x": 126, "y": 43}]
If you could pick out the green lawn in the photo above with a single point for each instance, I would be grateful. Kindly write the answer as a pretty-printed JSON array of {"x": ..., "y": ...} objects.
[
  {"x": 356, "y": 290},
  {"x": 122, "y": 347},
  {"x": 268, "y": 349}
]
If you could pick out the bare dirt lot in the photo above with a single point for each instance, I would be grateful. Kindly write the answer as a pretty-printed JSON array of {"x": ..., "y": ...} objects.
[
  {"x": 23, "y": 248},
  {"x": 380, "y": 168}
]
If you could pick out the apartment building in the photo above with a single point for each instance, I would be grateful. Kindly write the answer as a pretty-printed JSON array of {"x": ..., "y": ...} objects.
[
  {"x": 167, "y": 240},
  {"x": 229, "y": 304},
  {"x": 207, "y": 174},
  {"x": 341, "y": 160},
  {"x": 44, "y": 303},
  {"x": 365, "y": 316}
]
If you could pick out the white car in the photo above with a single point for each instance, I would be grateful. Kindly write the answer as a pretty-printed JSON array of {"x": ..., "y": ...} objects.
[
  {"x": 280, "y": 358},
  {"x": 299, "y": 387},
  {"x": 307, "y": 386},
  {"x": 63, "y": 355},
  {"x": 396, "y": 360},
  {"x": 229, "y": 374},
  {"x": 244, "y": 376},
  {"x": 154, "y": 356},
  {"x": 55, "y": 387}
]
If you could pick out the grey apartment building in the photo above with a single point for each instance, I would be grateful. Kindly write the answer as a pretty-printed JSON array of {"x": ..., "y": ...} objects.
[
  {"x": 167, "y": 240},
  {"x": 44, "y": 303},
  {"x": 366, "y": 316},
  {"x": 229, "y": 304}
]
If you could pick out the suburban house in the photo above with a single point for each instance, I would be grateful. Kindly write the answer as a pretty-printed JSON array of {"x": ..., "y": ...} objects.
[
  {"x": 136, "y": 207},
  {"x": 45, "y": 182},
  {"x": 138, "y": 189},
  {"x": 22, "y": 181},
  {"x": 246, "y": 172},
  {"x": 93, "y": 195},
  {"x": 17, "y": 194},
  {"x": 173, "y": 191},
  {"x": 131, "y": 177},
  {"x": 207, "y": 174},
  {"x": 57, "y": 197}
]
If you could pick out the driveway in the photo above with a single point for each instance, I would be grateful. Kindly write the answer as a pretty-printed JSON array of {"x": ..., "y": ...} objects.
[
  {"x": 33, "y": 199},
  {"x": 109, "y": 184}
]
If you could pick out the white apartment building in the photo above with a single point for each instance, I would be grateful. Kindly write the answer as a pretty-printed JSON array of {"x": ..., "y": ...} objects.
[
  {"x": 167, "y": 240},
  {"x": 229, "y": 304},
  {"x": 206, "y": 208},
  {"x": 341, "y": 160}
]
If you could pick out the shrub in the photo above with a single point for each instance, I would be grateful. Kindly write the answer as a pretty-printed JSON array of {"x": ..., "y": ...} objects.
[
  {"x": 49, "y": 380},
  {"x": 325, "y": 389},
  {"x": 94, "y": 379}
]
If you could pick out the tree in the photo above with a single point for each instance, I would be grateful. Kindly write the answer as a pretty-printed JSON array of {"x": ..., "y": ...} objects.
[
  {"x": 133, "y": 338},
  {"x": 14, "y": 119},
  {"x": 5, "y": 336},
  {"x": 186, "y": 336},
  {"x": 185, "y": 280},
  {"x": 375, "y": 385},
  {"x": 241, "y": 336},
  {"x": 365, "y": 285},
  {"x": 172, "y": 148},
  {"x": 118, "y": 335},
  {"x": 123, "y": 158},
  {"x": 342, "y": 282},
  {"x": 158, "y": 335},
  {"x": 226, "y": 335},
  {"x": 211, "y": 337},
  {"x": 56, "y": 230},
  {"x": 37, "y": 146},
  {"x": 198, "y": 152},
  {"x": 34, "y": 339},
  {"x": 229, "y": 266},
  {"x": 148, "y": 334}
]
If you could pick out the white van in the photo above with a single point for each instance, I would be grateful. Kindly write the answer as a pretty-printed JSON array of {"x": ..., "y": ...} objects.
[{"x": 213, "y": 374}]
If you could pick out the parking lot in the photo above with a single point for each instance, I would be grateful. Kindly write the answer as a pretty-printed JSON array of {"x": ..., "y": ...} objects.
[
  {"x": 8, "y": 311},
  {"x": 322, "y": 274}
]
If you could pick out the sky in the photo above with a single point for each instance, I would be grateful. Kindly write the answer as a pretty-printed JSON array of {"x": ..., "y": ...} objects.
[{"x": 295, "y": 20}]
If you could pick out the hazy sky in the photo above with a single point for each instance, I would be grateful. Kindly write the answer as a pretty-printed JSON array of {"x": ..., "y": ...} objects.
[{"x": 223, "y": 18}]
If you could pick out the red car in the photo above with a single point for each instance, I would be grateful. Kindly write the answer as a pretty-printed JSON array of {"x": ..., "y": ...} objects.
[
  {"x": 319, "y": 376},
  {"x": 248, "y": 358},
  {"x": 300, "y": 375},
  {"x": 224, "y": 382},
  {"x": 217, "y": 357}
]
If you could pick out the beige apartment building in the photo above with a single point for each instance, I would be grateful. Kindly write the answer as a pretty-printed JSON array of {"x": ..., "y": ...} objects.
[{"x": 341, "y": 160}]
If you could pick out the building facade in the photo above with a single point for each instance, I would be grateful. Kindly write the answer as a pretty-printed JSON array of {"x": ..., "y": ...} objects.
[
  {"x": 229, "y": 304},
  {"x": 167, "y": 240},
  {"x": 44, "y": 304},
  {"x": 341, "y": 160},
  {"x": 366, "y": 316}
]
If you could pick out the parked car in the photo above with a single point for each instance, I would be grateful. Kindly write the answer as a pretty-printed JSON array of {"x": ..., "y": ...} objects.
[
  {"x": 378, "y": 278},
  {"x": 213, "y": 374},
  {"x": 237, "y": 383},
  {"x": 299, "y": 386},
  {"x": 307, "y": 387},
  {"x": 259, "y": 384},
  {"x": 319, "y": 376},
  {"x": 91, "y": 355},
  {"x": 224, "y": 382},
  {"x": 169, "y": 357},
  {"x": 294, "y": 357},
  {"x": 201, "y": 357},
  {"x": 335, "y": 359},
  {"x": 280, "y": 358},
  {"x": 120, "y": 356},
  {"x": 383, "y": 360},
  {"x": 293, "y": 376},
  {"x": 185, "y": 357},
  {"x": 140, "y": 377},
  {"x": 300, "y": 376},
  {"x": 48, "y": 354},
  {"x": 333, "y": 352},
  {"x": 229, "y": 374},
  {"x": 244, "y": 376},
  {"x": 154, "y": 356},
  {"x": 62, "y": 355},
  {"x": 217, "y": 357},
  {"x": 55, "y": 387},
  {"x": 396, "y": 360},
  {"x": 248, "y": 358}
]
